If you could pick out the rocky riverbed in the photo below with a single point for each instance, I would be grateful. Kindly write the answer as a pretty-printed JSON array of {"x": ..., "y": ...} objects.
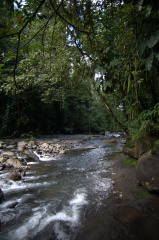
[
  {"x": 17, "y": 153},
  {"x": 119, "y": 210}
]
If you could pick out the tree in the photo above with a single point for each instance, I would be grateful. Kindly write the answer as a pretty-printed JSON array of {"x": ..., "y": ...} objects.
[{"x": 64, "y": 45}]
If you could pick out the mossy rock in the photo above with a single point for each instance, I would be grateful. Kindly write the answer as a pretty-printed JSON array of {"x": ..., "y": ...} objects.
[{"x": 135, "y": 149}]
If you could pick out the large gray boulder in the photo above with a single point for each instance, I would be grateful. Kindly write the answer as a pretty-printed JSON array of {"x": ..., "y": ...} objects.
[{"x": 147, "y": 171}]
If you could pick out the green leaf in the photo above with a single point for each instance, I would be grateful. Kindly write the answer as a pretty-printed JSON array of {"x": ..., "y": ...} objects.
[
  {"x": 129, "y": 82},
  {"x": 106, "y": 50},
  {"x": 157, "y": 55},
  {"x": 142, "y": 47},
  {"x": 150, "y": 42},
  {"x": 149, "y": 60},
  {"x": 153, "y": 40},
  {"x": 114, "y": 62}
]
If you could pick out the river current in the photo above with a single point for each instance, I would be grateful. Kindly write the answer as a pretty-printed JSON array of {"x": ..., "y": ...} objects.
[{"x": 51, "y": 200}]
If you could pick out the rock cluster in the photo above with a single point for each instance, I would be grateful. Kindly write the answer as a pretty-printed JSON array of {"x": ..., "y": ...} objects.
[{"x": 16, "y": 153}]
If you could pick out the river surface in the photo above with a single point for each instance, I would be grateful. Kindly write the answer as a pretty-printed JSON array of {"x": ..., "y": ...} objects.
[{"x": 51, "y": 200}]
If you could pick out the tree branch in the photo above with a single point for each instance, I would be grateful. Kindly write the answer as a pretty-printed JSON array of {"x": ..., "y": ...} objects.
[
  {"x": 30, "y": 38},
  {"x": 110, "y": 111},
  {"x": 24, "y": 26},
  {"x": 65, "y": 20}
]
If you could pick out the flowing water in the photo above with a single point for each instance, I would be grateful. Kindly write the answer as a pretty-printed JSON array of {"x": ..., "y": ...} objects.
[{"x": 51, "y": 200}]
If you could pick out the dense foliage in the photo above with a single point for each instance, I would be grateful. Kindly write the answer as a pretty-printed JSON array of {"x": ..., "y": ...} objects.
[{"x": 79, "y": 66}]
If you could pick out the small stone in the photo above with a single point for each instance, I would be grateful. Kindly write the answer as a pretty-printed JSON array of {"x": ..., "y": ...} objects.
[
  {"x": 62, "y": 152},
  {"x": 113, "y": 140}
]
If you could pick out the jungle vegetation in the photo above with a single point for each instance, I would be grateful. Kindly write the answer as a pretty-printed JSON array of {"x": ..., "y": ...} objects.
[{"x": 79, "y": 66}]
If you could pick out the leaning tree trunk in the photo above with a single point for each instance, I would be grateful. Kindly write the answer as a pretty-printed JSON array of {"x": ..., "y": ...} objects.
[{"x": 110, "y": 111}]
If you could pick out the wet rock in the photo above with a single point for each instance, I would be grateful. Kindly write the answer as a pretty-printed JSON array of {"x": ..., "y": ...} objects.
[
  {"x": 44, "y": 145},
  {"x": 62, "y": 152},
  {"x": 10, "y": 147},
  {"x": 1, "y": 196},
  {"x": 107, "y": 132},
  {"x": 15, "y": 176},
  {"x": 135, "y": 149},
  {"x": 22, "y": 172},
  {"x": 112, "y": 140},
  {"x": 14, "y": 162},
  {"x": 21, "y": 145},
  {"x": 147, "y": 172},
  {"x": 31, "y": 144},
  {"x": 128, "y": 151},
  {"x": 12, "y": 205},
  {"x": 1, "y": 145},
  {"x": 30, "y": 155},
  {"x": 8, "y": 154},
  {"x": 1, "y": 167}
]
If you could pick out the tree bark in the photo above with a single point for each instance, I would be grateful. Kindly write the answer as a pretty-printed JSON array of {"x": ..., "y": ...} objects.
[{"x": 110, "y": 111}]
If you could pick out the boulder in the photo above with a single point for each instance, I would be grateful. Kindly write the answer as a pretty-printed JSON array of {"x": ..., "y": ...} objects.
[
  {"x": 147, "y": 171},
  {"x": 15, "y": 176},
  {"x": 1, "y": 196},
  {"x": 21, "y": 145},
  {"x": 8, "y": 154},
  {"x": 31, "y": 144},
  {"x": 29, "y": 155},
  {"x": 14, "y": 162},
  {"x": 128, "y": 151},
  {"x": 11, "y": 147},
  {"x": 135, "y": 149}
]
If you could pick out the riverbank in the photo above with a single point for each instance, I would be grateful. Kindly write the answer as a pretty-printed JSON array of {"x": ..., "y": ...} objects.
[{"x": 129, "y": 212}]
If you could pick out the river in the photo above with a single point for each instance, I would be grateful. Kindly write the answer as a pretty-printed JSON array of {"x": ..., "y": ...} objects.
[{"x": 52, "y": 199}]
